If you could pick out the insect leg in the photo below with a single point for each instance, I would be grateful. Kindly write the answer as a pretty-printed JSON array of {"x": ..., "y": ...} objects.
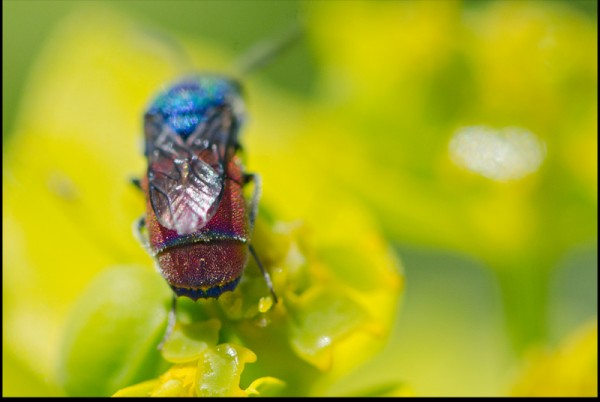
[
  {"x": 172, "y": 317},
  {"x": 137, "y": 183},
  {"x": 265, "y": 273},
  {"x": 255, "y": 196},
  {"x": 138, "y": 230},
  {"x": 252, "y": 218}
]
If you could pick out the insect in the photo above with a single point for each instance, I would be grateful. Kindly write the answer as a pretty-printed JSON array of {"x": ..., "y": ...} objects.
[{"x": 198, "y": 223}]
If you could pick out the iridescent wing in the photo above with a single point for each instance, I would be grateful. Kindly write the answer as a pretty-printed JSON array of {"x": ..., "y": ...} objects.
[{"x": 186, "y": 175}]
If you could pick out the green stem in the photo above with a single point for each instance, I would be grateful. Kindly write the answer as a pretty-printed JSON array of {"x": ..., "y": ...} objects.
[{"x": 524, "y": 290}]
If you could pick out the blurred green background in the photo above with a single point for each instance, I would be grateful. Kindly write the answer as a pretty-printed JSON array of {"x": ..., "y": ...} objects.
[
  {"x": 466, "y": 316},
  {"x": 234, "y": 25}
]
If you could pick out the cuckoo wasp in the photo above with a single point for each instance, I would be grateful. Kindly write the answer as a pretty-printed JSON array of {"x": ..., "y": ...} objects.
[{"x": 198, "y": 223}]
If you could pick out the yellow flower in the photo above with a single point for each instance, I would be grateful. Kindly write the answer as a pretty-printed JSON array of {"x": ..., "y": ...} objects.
[
  {"x": 216, "y": 372},
  {"x": 569, "y": 370}
]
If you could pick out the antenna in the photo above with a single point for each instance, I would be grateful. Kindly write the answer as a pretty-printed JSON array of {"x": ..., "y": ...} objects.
[
  {"x": 257, "y": 56},
  {"x": 263, "y": 52}
]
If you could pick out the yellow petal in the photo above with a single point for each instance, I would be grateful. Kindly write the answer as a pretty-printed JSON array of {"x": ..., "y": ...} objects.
[{"x": 569, "y": 370}]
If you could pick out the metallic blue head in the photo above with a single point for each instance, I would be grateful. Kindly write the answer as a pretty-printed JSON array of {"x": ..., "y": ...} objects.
[{"x": 185, "y": 104}]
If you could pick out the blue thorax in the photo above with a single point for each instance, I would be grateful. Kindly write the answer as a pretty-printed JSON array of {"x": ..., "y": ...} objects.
[{"x": 185, "y": 104}]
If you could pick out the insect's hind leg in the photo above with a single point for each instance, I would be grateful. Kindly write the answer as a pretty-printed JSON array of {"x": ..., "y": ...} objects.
[
  {"x": 265, "y": 273},
  {"x": 252, "y": 218},
  {"x": 171, "y": 319}
]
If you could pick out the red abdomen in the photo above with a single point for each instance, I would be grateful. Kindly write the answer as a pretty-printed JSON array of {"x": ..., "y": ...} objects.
[{"x": 211, "y": 260}]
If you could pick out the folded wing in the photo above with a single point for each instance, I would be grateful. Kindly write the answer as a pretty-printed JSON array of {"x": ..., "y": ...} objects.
[{"x": 186, "y": 176}]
